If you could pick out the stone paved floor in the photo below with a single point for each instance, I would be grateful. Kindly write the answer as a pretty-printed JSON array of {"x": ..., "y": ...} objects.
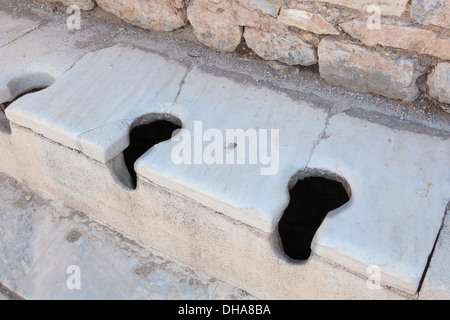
[{"x": 41, "y": 238}]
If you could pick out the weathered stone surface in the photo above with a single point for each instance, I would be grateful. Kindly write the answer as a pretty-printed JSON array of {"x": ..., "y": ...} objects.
[
  {"x": 47, "y": 235},
  {"x": 83, "y": 4},
  {"x": 265, "y": 7},
  {"x": 357, "y": 68},
  {"x": 98, "y": 137},
  {"x": 306, "y": 21},
  {"x": 439, "y": 83},
  {"x": 436, "y": 285},
  {"x": 388, "y": 7},
  {"x": 159, "y": 15},
  {"x": 409, "y": 38},
  {"x": 288, "y": 48},
  {"x": 218, "y": 24},
  {"x": 254, "y": 13},
  {"x": 12, "y": 28},
  {"x": 215, "y": 24},
  {"x": 436, "y": 12}
]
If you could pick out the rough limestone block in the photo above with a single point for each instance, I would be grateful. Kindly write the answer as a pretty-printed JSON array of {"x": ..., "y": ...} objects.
[
  {"x": 306, "y": 21},
  {"x": 408, "y": 38},
  {"x": 388, "y": 7},
  {"x": 439, "y": 82},
  {"x": 82, "y": 4},
  {"x": 159, "y": 15},
  {"x": 215, "y": 24},
  {"x": 288, "y": 48},
  {"x": 255, "y": 14},
  {"x": 219, "y": 24},
  {"x": 265, "y": 7},
  {"x": 358, "y": 68},
  {"x": 435, "y": 12}
]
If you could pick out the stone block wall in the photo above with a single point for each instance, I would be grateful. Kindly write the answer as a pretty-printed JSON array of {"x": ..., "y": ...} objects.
[{"x": 381, "y": 46}]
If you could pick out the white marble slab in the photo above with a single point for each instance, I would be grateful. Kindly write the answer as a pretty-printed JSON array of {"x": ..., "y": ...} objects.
[
  {"x": 238, "y": 190},
  {"x": 37, "y": 60},
  {"x": 400, "y": 187},
  {"x": 13, "y": 27},
  {"x": 91, "y": 107}
]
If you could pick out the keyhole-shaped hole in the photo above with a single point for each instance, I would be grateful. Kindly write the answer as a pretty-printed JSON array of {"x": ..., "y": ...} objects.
[
  {"x": 143, "y": 138},
  {"x": 311, "y": 200}
]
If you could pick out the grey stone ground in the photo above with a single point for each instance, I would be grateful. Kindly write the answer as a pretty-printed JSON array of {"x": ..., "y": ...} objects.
[{"x": 40, "y": 238}]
